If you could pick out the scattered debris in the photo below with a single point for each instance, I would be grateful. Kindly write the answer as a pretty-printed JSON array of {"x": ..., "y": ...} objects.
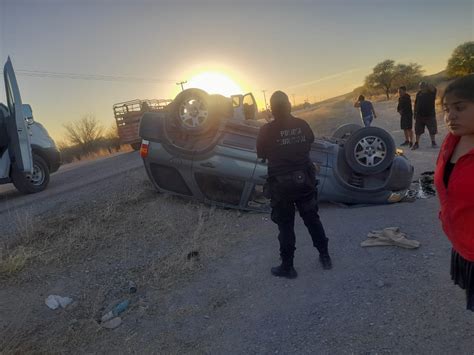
[
  {"x": 118, "y": 309},
  {"x": 423, "y": 188},
  {"x": 106, "y": 317},
  {"x": 390, "y": 236},
  {"x": 410, "y": 196},
  {"x": 397, "y": 196},
  {"x": 132, "y": 287},
  {"x": 55, "y": 301},
  {"x": 112, "y": 323},
  {"x": 193, "y": 254}
]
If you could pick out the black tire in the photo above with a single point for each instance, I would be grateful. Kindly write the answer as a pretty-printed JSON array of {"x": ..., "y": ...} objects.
[
  {"x": 34, "y": 183},
  {"x": 369, "y": 150},
  {"x": 192, "y": 110},
  {"x": 344, "y": 131},
  {"x": 136, "y": 146}
]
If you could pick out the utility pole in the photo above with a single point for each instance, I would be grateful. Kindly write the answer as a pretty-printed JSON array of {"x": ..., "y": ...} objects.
[
  {"x": 265, "y": 99},
  {"x": 181, "y": 84},
  {"x": 294, "y": 101}
]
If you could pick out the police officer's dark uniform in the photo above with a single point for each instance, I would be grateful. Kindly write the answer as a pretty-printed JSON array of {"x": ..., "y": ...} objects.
[{"x": 286, "y": 143}]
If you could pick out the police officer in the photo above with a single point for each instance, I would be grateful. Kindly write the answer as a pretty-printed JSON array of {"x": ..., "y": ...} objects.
[{"x": 285, "y": 143}]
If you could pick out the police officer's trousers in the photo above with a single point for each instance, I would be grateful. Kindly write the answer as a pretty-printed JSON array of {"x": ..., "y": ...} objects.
[{"x": 288, "y": 192}]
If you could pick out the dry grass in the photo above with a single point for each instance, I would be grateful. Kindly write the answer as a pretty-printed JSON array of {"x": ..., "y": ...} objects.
[
  {"x": 12, "y": 262},
  {"x": 207, "y": 233},
  {"x": 102, "y": 153},
  {"x": 14, "y": 257},
  {"x": 326, "y": 118},
  {"x": 158, "y": 241}
]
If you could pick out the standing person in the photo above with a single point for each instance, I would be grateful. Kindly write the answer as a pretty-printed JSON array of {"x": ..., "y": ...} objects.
[
  {"x": 406, "y": 115},
  {"x": 425, "y": 114},
  {"x": 453, "y": 180},
  {"x": 286, "y": 143},
  {"x": 367, "y": 112}
]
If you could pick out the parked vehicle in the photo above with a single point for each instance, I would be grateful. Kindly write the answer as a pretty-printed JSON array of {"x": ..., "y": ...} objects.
[
  {"x": 204, "y": 147},
  {"x": 127, "y": 117},
  {"x": 28, "y": 155}
]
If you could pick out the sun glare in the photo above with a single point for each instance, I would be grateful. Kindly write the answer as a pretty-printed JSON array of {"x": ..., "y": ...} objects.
[{"x": 214, "y": 83}]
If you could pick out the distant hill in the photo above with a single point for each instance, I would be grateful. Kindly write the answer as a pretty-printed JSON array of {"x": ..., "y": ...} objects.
[
  {"x": 440, "y": 80},
  {"x": 326, "y": 115}
]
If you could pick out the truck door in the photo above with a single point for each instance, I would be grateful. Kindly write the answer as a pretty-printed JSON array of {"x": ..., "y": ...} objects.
[
  {"x": 245, "y": 107},
  {"x": 225, "y": 174},
  {"x": 17, "y": 127}
]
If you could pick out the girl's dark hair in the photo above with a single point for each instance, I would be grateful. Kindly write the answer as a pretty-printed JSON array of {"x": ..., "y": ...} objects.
[
  {"x": 361, "y": 98},
  {"x": 462, "y": 88}
]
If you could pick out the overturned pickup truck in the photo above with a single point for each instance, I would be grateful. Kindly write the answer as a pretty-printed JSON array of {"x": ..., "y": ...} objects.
[{"x": 204, "y": 147}]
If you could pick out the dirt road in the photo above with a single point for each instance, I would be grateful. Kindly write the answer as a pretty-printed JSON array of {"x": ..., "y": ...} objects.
[
  {"x": 203, "y": 275},
  {"x": 72, "y": 185}
]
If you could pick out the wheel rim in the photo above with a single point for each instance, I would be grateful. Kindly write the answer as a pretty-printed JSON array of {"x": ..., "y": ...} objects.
[
  {"x": 38, "y": 176},
  {"x": 193, "y": 113},
  {"x": 370, "y": 151}
]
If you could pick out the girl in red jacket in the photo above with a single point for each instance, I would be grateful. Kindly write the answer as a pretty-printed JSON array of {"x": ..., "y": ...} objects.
[{"x": 454, "y": 179}]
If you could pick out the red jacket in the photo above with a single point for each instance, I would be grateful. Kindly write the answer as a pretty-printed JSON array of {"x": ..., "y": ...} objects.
[{"x": 457, "y": 201}]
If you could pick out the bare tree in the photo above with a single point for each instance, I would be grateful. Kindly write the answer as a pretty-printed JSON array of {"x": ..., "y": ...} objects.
[
  {"x": 84, "y": 132},
  {"x": 112, "y": 132},
  {"x": 112, "y": 138}
]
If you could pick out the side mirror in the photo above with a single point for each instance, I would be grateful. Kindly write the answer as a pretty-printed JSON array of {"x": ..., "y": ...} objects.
[{"x": 28, "y": 113}]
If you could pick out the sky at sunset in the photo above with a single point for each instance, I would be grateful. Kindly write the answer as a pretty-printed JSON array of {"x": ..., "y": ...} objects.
[{"x": 312, "y": 49}]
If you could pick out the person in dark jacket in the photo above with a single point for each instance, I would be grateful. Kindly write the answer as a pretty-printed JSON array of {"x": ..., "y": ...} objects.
[
  {"x": 285, "y": 143},
  {"x": 453, "y": 180},
  {"x": 406, "y": 115},
  {"x": 425, "y": 114}
]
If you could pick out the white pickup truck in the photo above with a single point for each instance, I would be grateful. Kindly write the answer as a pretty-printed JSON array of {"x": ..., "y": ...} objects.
[{"x": 27, "y": 153}]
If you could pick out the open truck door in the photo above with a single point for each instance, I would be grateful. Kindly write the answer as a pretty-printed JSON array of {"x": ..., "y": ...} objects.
[{"x": 19, "y": 136}]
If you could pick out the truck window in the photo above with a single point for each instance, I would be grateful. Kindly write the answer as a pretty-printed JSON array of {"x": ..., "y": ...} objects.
[
  {"x": 235, "y": 101},
  {"x": 249, "y": 107}
]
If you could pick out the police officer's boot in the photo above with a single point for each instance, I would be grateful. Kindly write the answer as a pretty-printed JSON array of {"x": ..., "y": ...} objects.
[
  {"x": 324, "y": 258},
  {"x": 286, "y": 269},
  {"x": 325, "y": 261}
]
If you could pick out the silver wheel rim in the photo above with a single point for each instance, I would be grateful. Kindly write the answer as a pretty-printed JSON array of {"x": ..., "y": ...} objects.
[
  {"x": 370, "y": 151},
  {"x": 193, "y": 113},
  {"x": 38, "y": 176}
]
